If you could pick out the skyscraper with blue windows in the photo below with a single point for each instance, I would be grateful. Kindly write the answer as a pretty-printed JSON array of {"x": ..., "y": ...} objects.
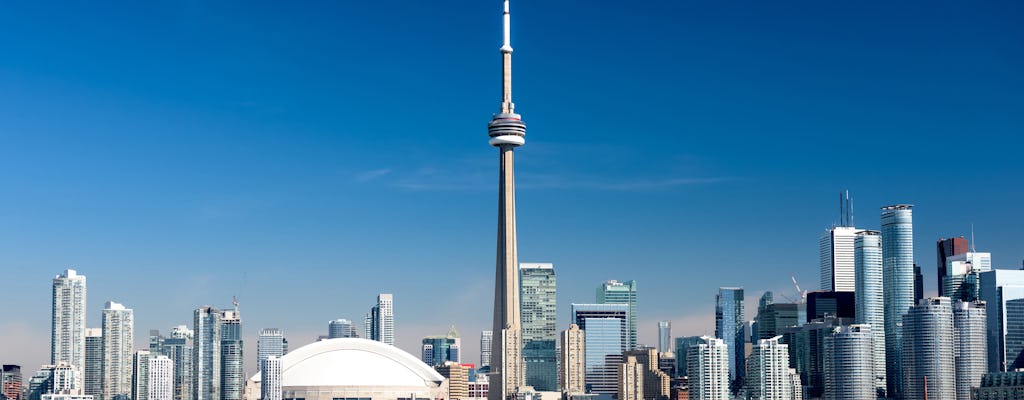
[
  {"x": 538, "y": 313},
  {"x": 870, "y": 298},
  {"x": 729, "y": 324},
  {"x": 615, "y": 292},
  {"x": 605, "y": 337},
  {"x": 898, "y": 287}
]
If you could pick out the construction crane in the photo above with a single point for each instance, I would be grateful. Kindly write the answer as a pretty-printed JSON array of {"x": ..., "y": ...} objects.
[{"x": 802, "y": 293}]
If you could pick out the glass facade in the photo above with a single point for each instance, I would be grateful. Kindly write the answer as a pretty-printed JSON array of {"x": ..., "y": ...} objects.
[
  {"x": 849, "y": 365},
  {"x": 605, "y": 337},
  {"x": 206, "y": 357},
  {"x": 928, "y": 350},
  {"x": 869, "y": 297},
  {"x": 664, "y": 336},
  {"x": 729, "y": 324},
  {"x": 682, "y": 346},
  {"x": 538, "y": 314},
  {"x": 898, "y": 287},
  {"x": 341, "y": 328},
  {"x": 970, "y": 351},
  {"x": 615, "y": 292},
  {"x": 1003, "y": 293},
  {"x": 232, "y": 370}
]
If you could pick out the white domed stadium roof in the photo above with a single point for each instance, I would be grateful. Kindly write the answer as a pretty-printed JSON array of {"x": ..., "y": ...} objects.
[{"x": 354, "y": 363}]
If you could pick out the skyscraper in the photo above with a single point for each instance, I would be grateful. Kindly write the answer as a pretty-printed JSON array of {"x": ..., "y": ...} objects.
[
  {"x": 870, "y": 298},
  {"x": 898, "y": 287},
  {"x": 436, "y": 350},
  {"x": 11, "y": 382},
  {"x": 118, "y": 344},
  {"x": 93, "y": 374},
  {"x": 836, "y": 259},
  {"x": 67, "y": 338},
  {"x": 768, "y": 374},
  {"x": 773, "y": 317},
  {"x": 656, "y": 383},
  {"x": 970, "y": 348},
  {"x": 1002, "y": 290},
  {"x": 615, "y": 292},
  {"x": 572, "y": 367},
  {"x": 708, "y": 369},
  {"x": 682, "y": 345},
  {"x": 486, "y": 344},
  {"x": 537, "y": 299},
  {"x": 849, "y": 364},
  {"x": 605, "y": 335},
  {"x": 947, "y": 248},
  {"x": 630, "y": 379},
  {"x": 270, "y": 382},
  {"x": 206, "y": 357},
  {"x": 962, "y": 275},
  {"x": 664, "y": 336},
  {"x": 140, "y": 374},
  {"x": 178, "y": 347},
  {"x": 341, "y": 328},
  {"x": 380, "y": 321},
  {"x": 270, "y": 342},
  {"x": 161, "y": 378},
  {"x": 928, "y": 350},
  {"x": 232, "y": 361},
  {"x": 729, "y": 323},
  {"x": 507, "y": 131}
]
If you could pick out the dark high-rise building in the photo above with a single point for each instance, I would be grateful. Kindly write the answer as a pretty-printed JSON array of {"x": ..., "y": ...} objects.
[
  {"x": 918, "y": 283},
  {"x": 772, "y": 317},
  {"x": 833, "y": 304},
  {"x": 947, "y": 248},
  {"x": 729, "y": 326}
]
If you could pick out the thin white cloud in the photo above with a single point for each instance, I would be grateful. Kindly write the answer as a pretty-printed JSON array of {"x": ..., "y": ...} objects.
[{"x": 372, "y": 175}]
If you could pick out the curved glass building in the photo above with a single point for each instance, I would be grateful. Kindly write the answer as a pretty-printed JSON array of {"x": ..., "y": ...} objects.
[
  {"x": 870, "y": 298},
  {"x": 897, "y": 285}
]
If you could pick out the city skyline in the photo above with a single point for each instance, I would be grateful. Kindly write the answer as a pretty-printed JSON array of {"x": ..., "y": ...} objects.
[{"x": 118, "y": 210}]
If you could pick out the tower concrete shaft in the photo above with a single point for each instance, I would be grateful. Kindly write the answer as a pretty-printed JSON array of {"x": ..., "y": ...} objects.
[{"x": 506, "y": 131}]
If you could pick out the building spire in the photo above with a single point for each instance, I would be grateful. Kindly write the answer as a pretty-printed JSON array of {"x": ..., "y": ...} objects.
[{"x": 507, "y": 107}]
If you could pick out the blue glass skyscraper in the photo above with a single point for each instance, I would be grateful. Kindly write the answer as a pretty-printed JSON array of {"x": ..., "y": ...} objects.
[
  {"x": 898, "y": 287},
  {"x": 729, "y": 324},
  {"x": 605, "y": 338},
  {"x": 615, "y": 292}
]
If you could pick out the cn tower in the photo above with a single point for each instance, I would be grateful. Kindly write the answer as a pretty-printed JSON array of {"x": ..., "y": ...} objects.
[{"x": 507, "y": 131}]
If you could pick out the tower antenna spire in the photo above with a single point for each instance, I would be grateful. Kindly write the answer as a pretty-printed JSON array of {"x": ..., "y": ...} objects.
[{"x": 507, "y": 107}]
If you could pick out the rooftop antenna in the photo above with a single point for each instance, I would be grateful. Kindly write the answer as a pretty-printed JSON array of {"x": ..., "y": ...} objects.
[
  {"x": 234, "y": 301},
  {"x": 850, "y": 203},
  {"x": 974, "y": 248}
]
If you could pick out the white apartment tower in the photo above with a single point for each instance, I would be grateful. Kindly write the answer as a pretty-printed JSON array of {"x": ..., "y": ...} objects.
[
  {"x": 971, "y": 346},
  {"x": 270, "y": 378},
  {"x": 708, "y": 368},
  {"x": 850, "y": 365},
  {"x": 140, "y": 375},
  {"x": 118, "y": 344},
  {"x": 486, "y": 345},
  {"x": 67, "y": 336},
  {"x": 768, "y": 375},
  {"x": 379, "y": 323},
  {"x": 572, "y": 365},
  {"x": 161, "y": 378}
]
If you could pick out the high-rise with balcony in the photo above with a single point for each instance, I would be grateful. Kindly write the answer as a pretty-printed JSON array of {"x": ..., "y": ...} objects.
[
  {"x": 538, "y": 316},
  {"x": 161, "y": 378},
  {"x": 849, "y": 364},
  {"x": 67, "y": 335},
  {"x": 898, "y": 287},
  {"x": 572, "y": 367},
  {"x": 708, "y": 369},
  {"x": 616, "y": 292},
  {"x": 178, "y": 347},
  {"x": 768, "y": 374},
  {"x": 729, "y": 324},
  {"x": 93, "y": 374},
  {"x": 928, "y": 349},
  {"x": 140, "y": 374},
  {"x": 118, "y": 350},
  {"x": 605, "y": 334},
  {"x": 970, "y": 349},
  {"x": 270, "y": 374},
  {"x": 870, "y": 298},
  {"x": 486, "y": 346},
  {"x": 232, "y": 366}
]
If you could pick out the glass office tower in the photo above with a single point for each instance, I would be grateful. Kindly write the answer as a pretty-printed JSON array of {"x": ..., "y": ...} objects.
[
  {"x": 538, "y": 313},
  {"x": 870, "y": 298},
  {"x": 605, "y": 338},
  {"x": 898, "y": 287},
  {"x": 729, "y": 323},
  {"x": 615, "y": 292}
]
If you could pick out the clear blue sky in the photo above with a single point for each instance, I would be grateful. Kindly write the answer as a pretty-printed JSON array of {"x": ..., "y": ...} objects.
[{"x": 308, "y": 156}]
